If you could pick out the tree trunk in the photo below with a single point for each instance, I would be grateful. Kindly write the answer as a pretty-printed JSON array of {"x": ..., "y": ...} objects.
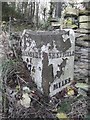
[
  {"x": 37, "y": 11},
  {"x": 58, "y": 9}
]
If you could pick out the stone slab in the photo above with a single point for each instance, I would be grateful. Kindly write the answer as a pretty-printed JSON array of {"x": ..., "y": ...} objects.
[
  {"x": 72, "y": 11},
  {"x": 82, "y": 43},
  {"x": 84, "y": 12},
  {"x": 84, "y": 37},
  {"x": 84, "y": 18},
  {"x": 82, "y": 31},
  {"x": 85, "y": 25},
  {"x": 55, "y": 24}
]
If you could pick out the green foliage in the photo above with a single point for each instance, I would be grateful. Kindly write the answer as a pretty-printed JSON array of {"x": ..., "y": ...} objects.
[
  {"x": 65, "y": 107},
  {"x": 5, "y": 11},
  {"x": 87, "y": 117},
  {"x": 77, "y": 98},
  {"x": 45, "y": 26},
  {"x": 8, "y": 10},
  {"x": 21, "y": 27},
  {"x": 8, "y": 67},
  {"x": 25, "y": 16}
]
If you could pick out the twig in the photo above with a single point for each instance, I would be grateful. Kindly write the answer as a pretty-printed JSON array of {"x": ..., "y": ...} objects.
[{"x": 22, "y": 79}]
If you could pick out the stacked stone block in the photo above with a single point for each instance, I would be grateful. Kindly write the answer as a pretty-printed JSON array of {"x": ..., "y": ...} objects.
[
  {"x": 82, "y": 49},
  {"x": 70, "y": 18}
]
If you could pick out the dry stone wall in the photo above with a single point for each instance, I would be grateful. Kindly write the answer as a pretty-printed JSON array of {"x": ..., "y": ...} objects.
[
  {"x": 81, "y": 71},
  {"x": 82, "y": 61}
]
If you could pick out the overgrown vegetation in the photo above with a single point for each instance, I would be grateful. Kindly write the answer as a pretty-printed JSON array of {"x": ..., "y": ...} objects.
[
  {"x": 65, "y": 107},
  {"x": 15, "y": 74},
  {"x": 26, "y": 15}
]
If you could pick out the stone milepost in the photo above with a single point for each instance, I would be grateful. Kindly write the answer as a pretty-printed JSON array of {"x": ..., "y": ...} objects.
[{"x": 49, "y": 56}]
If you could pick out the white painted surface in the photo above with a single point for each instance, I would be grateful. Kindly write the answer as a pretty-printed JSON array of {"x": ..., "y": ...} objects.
[
  {"x": 37, "y": 63},
  {"x": 26, "y": 100}
]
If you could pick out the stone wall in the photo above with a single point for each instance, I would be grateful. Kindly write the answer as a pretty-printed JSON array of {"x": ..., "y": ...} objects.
[
  {"x": 82, "y": 60},
  {"x": 82, "y": 47},
  {"x": 81, "y": 72}
]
